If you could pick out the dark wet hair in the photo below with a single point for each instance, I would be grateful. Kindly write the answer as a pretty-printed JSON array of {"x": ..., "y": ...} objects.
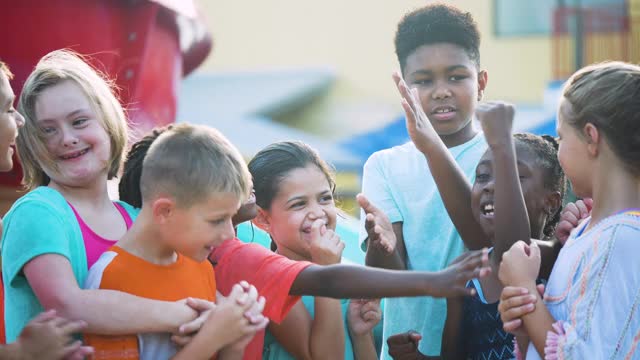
[
  {"x": 129, "y": 186},
  {"x": 272, "y": 164},
  {"x": 437, "y": 23},
  {"x": 545, "y": 148},
  {"x": 607, "y": 96}
]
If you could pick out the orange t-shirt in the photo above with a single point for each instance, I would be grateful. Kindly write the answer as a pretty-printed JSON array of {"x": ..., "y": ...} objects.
[
  {"x": 119, "y": 270},
  {"x": 270, "y": 273}
]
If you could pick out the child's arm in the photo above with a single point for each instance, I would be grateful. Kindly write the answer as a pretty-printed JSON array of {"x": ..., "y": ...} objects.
[
  {"x": 106, "y": 312},
  {"x": 47, "y": 337},
  {"x": 362, "y": 316},
  {"x": 602, "y": 300},
  {"x": 350, "y": 282},
  {"x": 510, "y": 214},
  {"x": 451, "y": 348},
  {"x": 453, "y": 185}
]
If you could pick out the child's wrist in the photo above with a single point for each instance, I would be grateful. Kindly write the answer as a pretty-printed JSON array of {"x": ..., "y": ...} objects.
[
  {"x": 14, "y": 351},
  {"x": 360, "y": 338},
  {"x": 503, "y": 142}
]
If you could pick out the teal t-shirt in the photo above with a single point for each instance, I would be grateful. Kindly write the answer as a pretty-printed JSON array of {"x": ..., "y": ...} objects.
[
  {"x": 274, "y": 351},
  {"x": 41, "y": 222}
]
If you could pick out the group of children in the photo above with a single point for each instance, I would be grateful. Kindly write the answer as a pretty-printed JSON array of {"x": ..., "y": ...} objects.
[{"x": 160, "y": 273}]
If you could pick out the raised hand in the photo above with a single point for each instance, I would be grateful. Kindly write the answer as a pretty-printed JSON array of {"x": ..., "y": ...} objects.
[
  {"x": 520, "y": 265},
  {"x": 516, "y": 302},
  {"x": 379, "y": 228},
  {"x": 496, "y": 119},
  {"x": 363, "y": 315},
  {"x": 326, "y": 247},
  {"x": 419, "y": 127},
  {"x": 452, "y": 281},
  {"x": 571, "y": 216},
  {"x": 404, "y": 346},
  {"x": 48, "y": 336}
]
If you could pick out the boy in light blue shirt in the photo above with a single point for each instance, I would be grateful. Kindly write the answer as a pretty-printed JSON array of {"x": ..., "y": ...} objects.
[{"x": 437, "y": 48}]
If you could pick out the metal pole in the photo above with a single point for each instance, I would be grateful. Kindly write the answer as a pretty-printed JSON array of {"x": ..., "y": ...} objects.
[{"x": 579, "y": 36}]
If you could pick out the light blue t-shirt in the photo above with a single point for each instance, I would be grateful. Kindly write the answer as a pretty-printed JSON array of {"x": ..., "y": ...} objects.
[
  {"x": 41, "y": 222},
  {"x": 594, "y": 292},
  {"x": 398, "y": 181}
]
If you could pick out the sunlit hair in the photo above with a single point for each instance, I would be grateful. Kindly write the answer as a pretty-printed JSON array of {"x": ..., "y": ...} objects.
[
  {"x": 54, "y": 68},
  {"x": 273, "y": 163},
  {"x": 607, "y": 96},
  {"x": 190, "y": 163},
  {"x": 5, "y": 69}
]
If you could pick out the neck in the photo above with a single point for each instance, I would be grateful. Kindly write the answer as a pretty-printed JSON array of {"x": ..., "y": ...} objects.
[
  {"x": 95, "y": 194},
  {"x": 614, "y": 191},
  {"x": 460, "y": 137},
  {"x": 144, "y": 241}
]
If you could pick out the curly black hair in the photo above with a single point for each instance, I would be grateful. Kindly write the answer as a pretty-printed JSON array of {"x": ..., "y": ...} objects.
[
  {"x": 437, "y": 23},
  {"x": 545, "y": 148},
  {"x": 129, "y": 187}
]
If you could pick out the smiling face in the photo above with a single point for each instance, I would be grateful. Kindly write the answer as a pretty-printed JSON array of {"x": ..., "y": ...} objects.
[
  {"x": 73, "y": 135},
  {"x": 304, "y": 195},
  {"x": 449, "y": 86},
  {"x": 532, "y": 180},
  {"x": 195, "y": 230},
  {"x": 10, "y": 121}
]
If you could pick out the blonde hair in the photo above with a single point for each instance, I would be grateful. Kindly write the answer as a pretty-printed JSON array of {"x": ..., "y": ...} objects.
[
  {"x": 52, "y": 69},
  {"x": 192, "y": 162},
  {"x": 4, "y": 68},
  {"x": 607, "y": 96}
]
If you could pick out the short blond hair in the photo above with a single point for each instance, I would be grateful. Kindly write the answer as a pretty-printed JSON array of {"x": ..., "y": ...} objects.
[
  {"x": 52, "y": 69},
  {"x": 4, "y": 68},
  {"x": 191, "y": 162}
]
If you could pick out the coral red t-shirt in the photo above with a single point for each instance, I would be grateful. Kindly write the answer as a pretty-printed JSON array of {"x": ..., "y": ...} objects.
[{"x": 270, "y": 273}]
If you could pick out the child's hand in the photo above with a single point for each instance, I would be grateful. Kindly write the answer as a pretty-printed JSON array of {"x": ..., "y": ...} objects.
[
  {"x": 571, "y": 216},
  {"x": 203, "y": 308},
  {"x": 496, "y": 119},
  {"x": 419, "y": 127},
  {"x": 234, "y": 318},
  {"x": 379, "y": 228},
  {"x": 255, "y": 317},
  {"x": 452, "y": 281},
  {"x": 48, "y": 336},
  {"x": 404, "y": 346},
  {"x": 363, "y": 315},
  {"x": 326, "y": 246},
  {"x": 516, "y": 302},
  {"x": 520, "y": 265}
]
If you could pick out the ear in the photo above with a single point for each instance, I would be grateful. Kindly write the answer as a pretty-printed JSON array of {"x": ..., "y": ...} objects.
[
  {"x": 552, "y": 202},
  {"x": 262, "y": 219},
  {"x": 592, "y": 136},
  {"x": 483, "y": 78},
  {"x": 163, "y": 209}
]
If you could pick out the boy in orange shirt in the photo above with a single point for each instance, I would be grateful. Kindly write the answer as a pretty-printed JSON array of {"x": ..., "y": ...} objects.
[{"x": 193, "y": 182}]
